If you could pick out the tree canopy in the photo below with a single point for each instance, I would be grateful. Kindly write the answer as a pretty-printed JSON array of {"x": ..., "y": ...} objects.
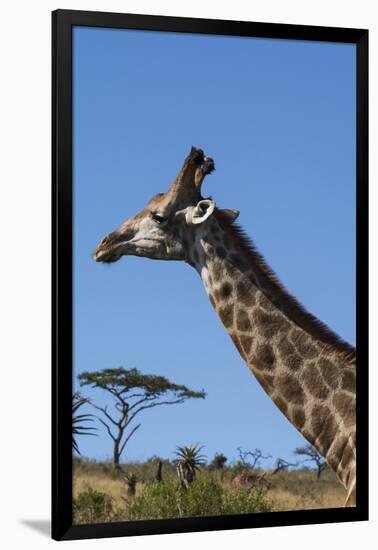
[{"x": 133, "y": 392}]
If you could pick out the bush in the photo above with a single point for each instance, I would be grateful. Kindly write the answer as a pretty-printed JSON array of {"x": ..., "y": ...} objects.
[
  {"x": 204, "y": 497},
  {"x": 92, "y": 506}
]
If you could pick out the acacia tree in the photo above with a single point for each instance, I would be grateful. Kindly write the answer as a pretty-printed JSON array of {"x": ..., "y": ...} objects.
[
  {"x": 313, "y": 456},
  {"x": 133, "y": 392},
  {"x": 252, "y": 459}
]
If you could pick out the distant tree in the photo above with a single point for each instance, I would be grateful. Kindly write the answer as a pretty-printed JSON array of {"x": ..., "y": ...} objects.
[
  {"x": 218, "y": 461},
  {"x": 283, "y": 465},
  {"x": 133, "y": 392},
  {"x": 312, "y": 456},
  {"x": 188, "y": 462},
  {"x": 252, "y": 459},
  {"x": 79, "y": 421}
]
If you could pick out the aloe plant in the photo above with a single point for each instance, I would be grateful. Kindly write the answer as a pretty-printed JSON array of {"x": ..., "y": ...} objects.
[
  {"x": 79, "y": 426},
  {"x": 188, "y": 463}
]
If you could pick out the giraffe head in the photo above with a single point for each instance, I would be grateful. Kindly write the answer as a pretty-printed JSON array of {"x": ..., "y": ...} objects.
[{"x": 164, "y": 229}]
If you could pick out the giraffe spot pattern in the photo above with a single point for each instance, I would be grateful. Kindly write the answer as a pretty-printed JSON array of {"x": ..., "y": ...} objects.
[
  {"x": 327, "y": 434},
  {"x": 265, "y": 303},
  {"x": 335, "y": 454},
  {"x": 329, "y": 372},
  {"x": 245, "y": 295},
  {"x": 269, "y": 325},
  {"x": 242, "y": 321},
  {"x": 345, "y": 405},
  {"x": 314, "y": 382},
  {"x": 299, "y": 417},
  {"x": 217, "y": 271},
  {"x": 281, "y": 404},
  {"x": 290, "y": 389},
  {"x": 246, "y": 343},
  {"x": 227, "y": 315},
  {"x": 226, "y": 290},
  {"x": 318, "y": 415},
  {"x": 266, "y": 380},
  {"x": 348, "y": 456},
  {"x": 263, "y": 358},
  {"x": 288, "y": 355},
  {"x": 303, "y": 344},
  {"x": 349, "y": 380},
  {"x": 235, "y": 339}
]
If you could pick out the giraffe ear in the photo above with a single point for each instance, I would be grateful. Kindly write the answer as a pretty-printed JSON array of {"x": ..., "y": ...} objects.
[
  {"x": 231, "y": 214},
  {"x": 198, "y": 214}
]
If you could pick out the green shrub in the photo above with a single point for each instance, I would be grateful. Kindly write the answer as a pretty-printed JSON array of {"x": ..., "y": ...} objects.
[
  {"x": 204, "y": 497},
  {"x": 92, "y": 506}
]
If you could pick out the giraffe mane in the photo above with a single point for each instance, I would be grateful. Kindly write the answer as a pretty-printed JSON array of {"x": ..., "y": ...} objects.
[{"x": 283, "y": 299}]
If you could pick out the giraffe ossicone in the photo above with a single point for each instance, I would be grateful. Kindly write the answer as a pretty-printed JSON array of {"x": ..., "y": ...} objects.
[{"x": 307, "y": 370}]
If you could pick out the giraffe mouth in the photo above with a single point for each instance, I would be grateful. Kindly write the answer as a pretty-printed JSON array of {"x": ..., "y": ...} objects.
[
  {"x": 110, "y": 253},
  {"x": 106, "y": 256}
]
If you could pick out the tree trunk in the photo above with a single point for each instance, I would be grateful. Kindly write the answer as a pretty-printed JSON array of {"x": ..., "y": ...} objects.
[{"x": 116, "y": 454}]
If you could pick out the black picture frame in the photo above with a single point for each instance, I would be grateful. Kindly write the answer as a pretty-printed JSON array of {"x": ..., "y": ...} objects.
[{"x": 62, "y": 23}]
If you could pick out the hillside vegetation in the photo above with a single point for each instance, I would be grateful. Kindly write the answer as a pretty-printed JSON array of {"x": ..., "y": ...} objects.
[{"x": 103, "y": 493}]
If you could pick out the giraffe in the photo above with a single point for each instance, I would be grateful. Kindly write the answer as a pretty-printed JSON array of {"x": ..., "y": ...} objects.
[{"x": 306, "y": 369}]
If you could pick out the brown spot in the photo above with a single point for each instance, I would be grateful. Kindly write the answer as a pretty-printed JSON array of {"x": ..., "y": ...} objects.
[
  {"x": 265, "y": 303},
  {"x": 349, "y": 380},
  {"x": 345, "y": 405},
  {"x": 348, "y": 456},
  {"x": 246, "y": 342},
  {"x": 212, "y": 300},
  {"x": 334, "y": 457},
  {"x": 245, "y": 294},
  {"x": 285, "y": 348},
  {"x": 303, "y": 344},
  {"x": 327, "y": 433},
  {"x": 263, "y": 358},
  {"x": 330, "y": 372},
  {"x": 266, "y": 380},
  {"x": 290, "y": 389},
  {"x": 242, "y": 322},
  {"x": 299, "y": 417},
  {"x": 226, "y": 290},
  {"x": 289, "y": 356},
  {"x": 318, "y": 414},
  {"x": 314, "y": 381},
  {"x": 221, "y": 252},
  {"x": 269, "y": 325},
  {"x": 227, "y": 315},
  {"x": 235, "y": 339},
  {"x": 216, "y": 295},
  {"x": 281, "y": 404},
  {"x": 217, "y": 271}
]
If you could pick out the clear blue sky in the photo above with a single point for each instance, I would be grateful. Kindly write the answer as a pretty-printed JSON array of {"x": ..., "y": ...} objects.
[{"x": 278, "y": 117}]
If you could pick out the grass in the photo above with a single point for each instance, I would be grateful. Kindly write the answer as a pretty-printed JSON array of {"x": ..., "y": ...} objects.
[{"x": 100, "y": 492}]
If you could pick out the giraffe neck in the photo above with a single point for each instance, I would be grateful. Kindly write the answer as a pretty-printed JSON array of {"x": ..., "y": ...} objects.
[{"x": 310, "y": 380}]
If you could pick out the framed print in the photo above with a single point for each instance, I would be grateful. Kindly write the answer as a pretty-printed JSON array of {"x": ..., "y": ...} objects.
[{"x": 224, "y": 384}]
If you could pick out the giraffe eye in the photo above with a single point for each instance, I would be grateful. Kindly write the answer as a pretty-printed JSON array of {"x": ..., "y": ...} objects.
[{"x": 158, "y": 218}]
